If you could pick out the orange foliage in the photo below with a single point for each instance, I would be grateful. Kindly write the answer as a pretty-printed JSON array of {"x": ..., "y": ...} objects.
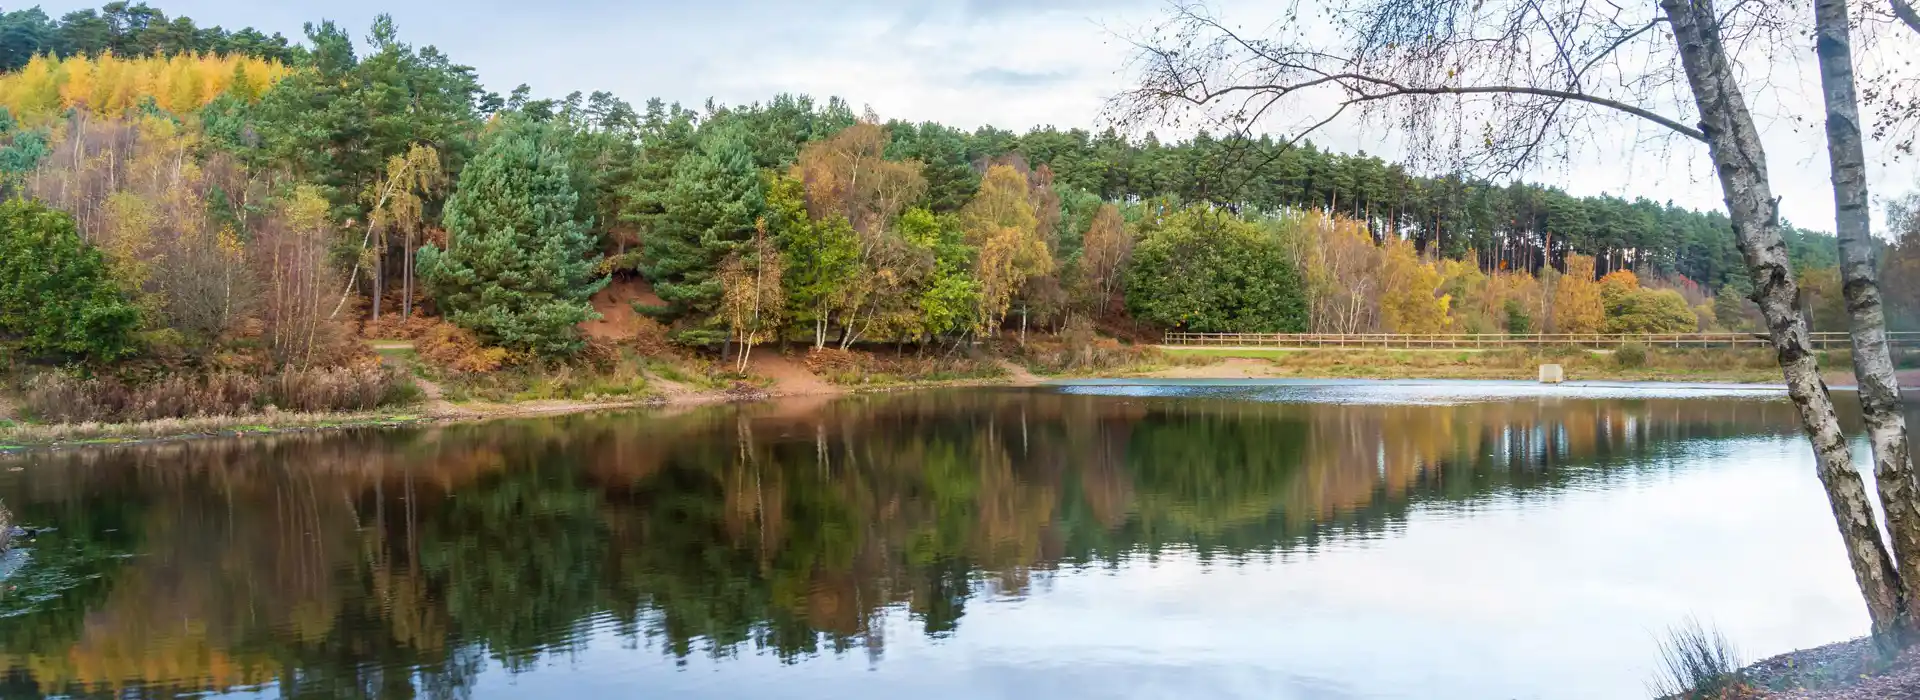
[{"x": 455, "y": 348}]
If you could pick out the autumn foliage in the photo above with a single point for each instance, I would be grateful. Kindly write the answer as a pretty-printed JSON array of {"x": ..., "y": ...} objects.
[{"x": 111, "y": 85}]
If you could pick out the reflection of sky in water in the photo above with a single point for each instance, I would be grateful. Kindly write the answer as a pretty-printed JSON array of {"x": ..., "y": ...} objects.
[
  {"x": 1545, "y": 597},
  {"x": 1545, "y": 559},
  {"x": 1420, "y": 392}
]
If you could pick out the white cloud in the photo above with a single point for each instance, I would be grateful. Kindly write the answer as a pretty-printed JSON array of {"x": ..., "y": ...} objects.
[{"x": 1008, "y": 63}]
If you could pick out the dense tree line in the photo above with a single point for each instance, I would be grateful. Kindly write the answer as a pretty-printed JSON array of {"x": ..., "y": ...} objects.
[
  {"x": 332, "y": 184},
  {"x": 127, "y": 29}
]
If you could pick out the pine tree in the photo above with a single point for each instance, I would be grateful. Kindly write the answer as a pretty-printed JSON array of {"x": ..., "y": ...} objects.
[
  {"x": 709, "y": 210},
  {"x": 519, "y": 266}
]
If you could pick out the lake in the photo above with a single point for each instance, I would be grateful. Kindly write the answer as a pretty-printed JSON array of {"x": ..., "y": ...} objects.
[{"x": 1105, "y": 539}]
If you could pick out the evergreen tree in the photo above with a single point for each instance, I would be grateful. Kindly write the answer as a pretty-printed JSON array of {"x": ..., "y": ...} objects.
[
  {"x": 709, "y": 208},
  {"x": 519, "y": 265},
  {"x": 57, "y": 300}
]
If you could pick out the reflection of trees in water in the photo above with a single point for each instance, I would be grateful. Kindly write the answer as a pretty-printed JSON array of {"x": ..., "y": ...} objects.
[{"x": 386, "y": 563}]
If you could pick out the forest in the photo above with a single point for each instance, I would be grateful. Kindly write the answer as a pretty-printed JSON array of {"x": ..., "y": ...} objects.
[{"x": 194, "y": 201}]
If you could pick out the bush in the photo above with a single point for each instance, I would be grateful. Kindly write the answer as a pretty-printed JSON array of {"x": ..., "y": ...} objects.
[
  {"x": 597, "y": 374},
  {"x": 57, "y": 298},
  {"x": 1519, "y": 322},
  {"x": 834, "y": 361},
  {"x": 1077, "y": 348},
  {"x": 63, "y": 397},
  {"x": 397, "y": 327},
  {"x": 1649, "y": 311},
  {"x": 857, "y": 367},
  {"x": 456, "y": 349},
  {"x": 1630, "y": 355}
]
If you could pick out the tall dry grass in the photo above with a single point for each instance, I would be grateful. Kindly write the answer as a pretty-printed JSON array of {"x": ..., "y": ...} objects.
[{"x": 60, "y": 397}]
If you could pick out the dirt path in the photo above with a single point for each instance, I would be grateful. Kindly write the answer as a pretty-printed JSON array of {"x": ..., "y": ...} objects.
[
  {"x": 618, "y": 320},
  {"x": 790, "y": 377},
  {"x": 1017, "y": 374}
]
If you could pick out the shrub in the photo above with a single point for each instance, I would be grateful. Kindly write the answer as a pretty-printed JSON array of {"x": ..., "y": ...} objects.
[
  {"x": 57, "y": 298},
  {"x": 1630, "y": 355},
  {"x": 834, "y": 361},
  {"x": 1649, "y": 311},
  {"x": 456, "y": 349},
  {"x": 857, "y": 367},
  {"x": 347, "y": 389},
  {"x": 63, "y": 397},
  {"x": 1519, "y": 322},
  {"x": 1077, "y": 348},
  {"x": 397, "y": 327}
]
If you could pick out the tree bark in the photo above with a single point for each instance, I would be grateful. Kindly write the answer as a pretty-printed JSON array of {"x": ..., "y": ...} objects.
[
  {"x": 406, "y": 279},
  {"x": 1738, "y": 158},
  {"x": 1907, "y": 14},
  {"x": 1872, "y": 360},
  {"x": 378, "y": 273}
]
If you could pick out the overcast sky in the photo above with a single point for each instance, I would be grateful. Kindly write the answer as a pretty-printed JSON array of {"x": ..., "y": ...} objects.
[{"x": 1009, "y": 63}]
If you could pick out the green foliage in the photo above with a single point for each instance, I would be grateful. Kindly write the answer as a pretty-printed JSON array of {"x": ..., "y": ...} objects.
[
  {"x": 1207, "y": 271},
  {"x": 1630, "y": 356},
  {"x": 340, "y": 119},
  {"x": 822, "y": 256},
  {"x": 1650, "y": 311},
  {"x": 127, "y": 29},
  {"x": 57, "y": 299},
  {"x": 707, "y": 210},
  {"x": 22, "y": 152},
  {"x": 1519, "y": 322},
  {"x": 519, "y": 266},
  {"x": 948, "y": 303},
  {"x": 1731, "y": 309}
]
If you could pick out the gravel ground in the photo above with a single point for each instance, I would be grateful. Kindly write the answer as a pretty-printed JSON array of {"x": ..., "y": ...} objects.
[{"x": 1850, "y": 670}]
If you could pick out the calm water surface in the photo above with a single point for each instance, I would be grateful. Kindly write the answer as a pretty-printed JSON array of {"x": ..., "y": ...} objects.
[{"x": 1258, "y": 540}]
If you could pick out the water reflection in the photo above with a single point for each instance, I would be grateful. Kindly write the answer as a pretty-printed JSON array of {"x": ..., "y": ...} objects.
[{"x": 410, "y": 563}]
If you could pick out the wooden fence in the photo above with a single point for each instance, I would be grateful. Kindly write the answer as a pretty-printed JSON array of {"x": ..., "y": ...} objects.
[{"x": 1482, "y": 341}]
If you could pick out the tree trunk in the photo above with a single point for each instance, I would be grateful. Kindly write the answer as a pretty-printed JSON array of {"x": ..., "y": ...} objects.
[
  {"x": 406, "y": 280},
  {"x": 378, "y": 275},
  {"x": 1734, "y": 143},
  {"x": 1872, "y": 361}
]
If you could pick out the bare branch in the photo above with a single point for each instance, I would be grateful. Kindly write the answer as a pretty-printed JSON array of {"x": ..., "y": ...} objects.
[
  {"x": 1648, "y": 115},
  {"x": 1500, "y": 72}
]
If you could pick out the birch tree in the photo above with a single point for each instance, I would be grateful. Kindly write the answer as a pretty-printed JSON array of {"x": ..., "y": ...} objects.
[
  {"x": 1860, "y": 285},
  {"x": 1499, "y": 85}
]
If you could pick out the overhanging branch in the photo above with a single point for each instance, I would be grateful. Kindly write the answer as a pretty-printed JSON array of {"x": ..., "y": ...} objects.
[{"x": 1646, "y": 114}]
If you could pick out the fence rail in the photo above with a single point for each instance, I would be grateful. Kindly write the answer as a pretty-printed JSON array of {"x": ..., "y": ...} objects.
[{"x": 1476, "y": 341}]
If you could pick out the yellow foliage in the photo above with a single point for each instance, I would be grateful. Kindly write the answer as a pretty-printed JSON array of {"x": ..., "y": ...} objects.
[
  {"x": 109, "y": 85},
  {"x": 1577, "y": 303},
  {"x": 1000, "y": 220},
  {"x": 1413, "y": 301}
]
